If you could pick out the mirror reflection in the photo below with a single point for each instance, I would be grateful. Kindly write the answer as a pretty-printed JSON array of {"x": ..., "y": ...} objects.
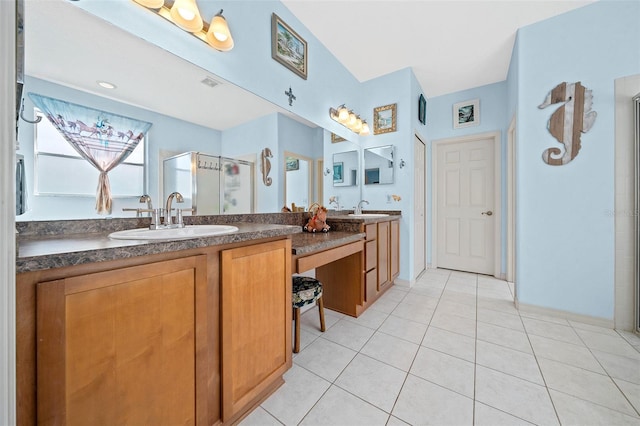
[
  {"x": 196, "y": 113},
  {"x": 379, "y": 165},
  {"x": 298, "y": 181},
  {"x": 345, "y": 168}
]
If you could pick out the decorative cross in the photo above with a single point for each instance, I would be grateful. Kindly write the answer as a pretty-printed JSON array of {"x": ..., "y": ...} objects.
[{"x": 291, "y": 96}]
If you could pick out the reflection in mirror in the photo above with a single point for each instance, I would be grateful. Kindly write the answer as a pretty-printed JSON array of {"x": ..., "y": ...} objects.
[
  {"x": 378, "y": 165},
  {"x": 345, "y": 168},
  {"x": 222, "y": 120},
  {"x": 298, "y": 181}
]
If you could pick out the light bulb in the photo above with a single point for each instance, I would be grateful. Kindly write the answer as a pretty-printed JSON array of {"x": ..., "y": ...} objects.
[{"x": 343, "y": 114}]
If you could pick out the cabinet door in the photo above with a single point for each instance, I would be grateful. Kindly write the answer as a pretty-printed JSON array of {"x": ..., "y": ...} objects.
[
  {"x": 256, "y": 321},
  {"x": 395, "y": 249},
  {"x": 125, "y": 348},
  {"x": 384, "y": 274}
]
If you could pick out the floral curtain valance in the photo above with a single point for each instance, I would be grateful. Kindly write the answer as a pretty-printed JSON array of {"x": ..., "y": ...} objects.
[{"x": 102, "y": 138}]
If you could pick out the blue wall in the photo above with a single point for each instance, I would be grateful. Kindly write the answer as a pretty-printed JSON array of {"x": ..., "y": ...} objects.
[{"x": 565, "y": 226}]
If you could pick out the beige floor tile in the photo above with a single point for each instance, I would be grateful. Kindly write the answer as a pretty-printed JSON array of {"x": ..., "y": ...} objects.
[
  {"x": 395, "y": 294},
  {"x": 509, "y": 361},
  {"x": 620, "y": 367},
  {"x": 594, "y": 328},
  {"x": 310, "y": 319},
  {"x": 578, "y": 356},
  {"x": 515, "y": 396},
  {"x": 542, "y": 317},
  {"x": 422, "y": 402},
  {"x": 412, "y": 312},
  {"x": 445, "y": 370},
  {"x": 576, "y": 411},
  {"x": 325, "y": 358},
  {"x": 427, "y": 290},
  {"x": 584, "y": 384},
  {"x": 497, "y": 305},
  {"x": 504, "y": 337},
  {"x": 554, "y": 331},
  {"x": 374, "y": 381},
  {"x": 370, "y": 318},
  {"x": 384, "y": 305},
  {"x": 349, "y": 334},
  {"x": 339, "y": 407},
  {"x": 607, "y": 343},
  {"x": 454, "y": 323},
  {"x": 631, "y": 391},
  {"x": 454, "y": 344},
  {"x": 415, "y": 298},
  {"x": 502, "y": 319},
  {"x": 301, "y": 386},
  {"x": 457, "y": 308},
  {"x": 489, "y": 416},
  {"x": 259, "y": 417},
  {"x": 464, "y": 298},
  {"x": 391, "y": 350},
  {"x": 394, "y": 421},
  {"x": 404, "y": 329}
]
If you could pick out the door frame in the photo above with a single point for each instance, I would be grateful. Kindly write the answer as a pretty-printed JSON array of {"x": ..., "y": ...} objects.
[
  {"x": 497, "y": 199},
  {"x": 511, "y": 204},
  {"x": 425, "y": 235}
]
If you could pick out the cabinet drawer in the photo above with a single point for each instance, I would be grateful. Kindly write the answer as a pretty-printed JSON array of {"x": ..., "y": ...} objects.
[
  {"x": 371, "y": 250},
  {"x": 371, "y": 284},
  {"x": 371, "y": 230}
]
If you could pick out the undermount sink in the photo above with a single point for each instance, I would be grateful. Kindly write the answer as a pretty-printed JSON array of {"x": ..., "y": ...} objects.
[
  {"x": 363, "y": 215},
  {"x": 189, "y": 231}
]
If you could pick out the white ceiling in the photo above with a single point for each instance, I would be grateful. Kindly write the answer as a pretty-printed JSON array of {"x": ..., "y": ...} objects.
[{"x": 451, "y": 46}]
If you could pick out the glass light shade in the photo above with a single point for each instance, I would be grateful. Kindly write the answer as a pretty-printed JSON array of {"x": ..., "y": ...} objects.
[
  {"x": 186, "y": 15},
  {"x": 352, "y": 120},
  {"x": 151, "y": 4},
  {"x": 358, "y": 126},
  {"x": 365, "y": 128},
  {"x": 219, "y": 36},
  {"x": 343, "y": 114}
]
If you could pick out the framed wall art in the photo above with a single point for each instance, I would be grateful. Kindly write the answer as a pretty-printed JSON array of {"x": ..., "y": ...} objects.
[
  {"x": 338, "y": 172},
  {"x": 292, "y": 164},
  {"x": 335, "y": 138},
  {"x": 287, "y": 47},
  {"x": 422, "y": 109},
  {"x": 466, "y": 114},
  {"x": 384, "y": 119}
]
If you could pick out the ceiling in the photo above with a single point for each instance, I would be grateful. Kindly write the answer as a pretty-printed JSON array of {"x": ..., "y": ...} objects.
[{"x": 451, "y": 46}]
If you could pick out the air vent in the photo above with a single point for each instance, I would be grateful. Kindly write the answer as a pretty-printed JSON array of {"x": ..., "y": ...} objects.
[{"x": 208, "y": 81}]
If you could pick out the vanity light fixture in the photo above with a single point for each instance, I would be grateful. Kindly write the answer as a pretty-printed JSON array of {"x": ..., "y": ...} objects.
[
  {"x": 349, "y": 119},
  {"x": 186, "y": 15}
]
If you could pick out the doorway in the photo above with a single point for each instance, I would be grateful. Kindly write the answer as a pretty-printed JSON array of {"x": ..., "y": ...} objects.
[
  {"x": 419, "y": 207},
  {"x": 466, "y": 199},
  {"x": 298, "y": 181}
]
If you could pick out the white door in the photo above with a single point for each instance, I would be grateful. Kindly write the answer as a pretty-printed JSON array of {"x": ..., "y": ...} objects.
[
  {"x": 419, "y": 224},
  {"x": 465, "y": 205}
]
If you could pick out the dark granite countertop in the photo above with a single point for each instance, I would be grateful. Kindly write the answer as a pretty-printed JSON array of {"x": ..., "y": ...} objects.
[
  {"x": 59, "y": 250},
  {"x": 309, "y": 242}
]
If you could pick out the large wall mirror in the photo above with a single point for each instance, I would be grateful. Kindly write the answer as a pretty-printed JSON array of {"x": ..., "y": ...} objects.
[
  {"x": 196, "y": 112},
  {"x": 298, "y": 180},
  {"x": 345, "y": 168},
  {"x": 379, "y": 165}
]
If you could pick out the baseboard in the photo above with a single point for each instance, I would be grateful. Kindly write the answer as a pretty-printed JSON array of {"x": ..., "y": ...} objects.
[
  {"x": 404, "y": 283},
  {"x": 557, "y": 313}
]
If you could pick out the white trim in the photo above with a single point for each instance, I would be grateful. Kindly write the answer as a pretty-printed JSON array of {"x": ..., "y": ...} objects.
[
  {"x": 569, "y": 316},
  {"x": 497, "y": 199},
  {"x": 7, "y": 214},
  {"x": 511, "y": 202}
]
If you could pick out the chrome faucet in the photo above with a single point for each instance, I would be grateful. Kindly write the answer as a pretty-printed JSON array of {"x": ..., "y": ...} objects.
[
  {"x": 146, "y": 199},
  {"x": 143, "y": 199},
  {"x": 168, "y": 221},
  {"x": 358, "y": 208}
]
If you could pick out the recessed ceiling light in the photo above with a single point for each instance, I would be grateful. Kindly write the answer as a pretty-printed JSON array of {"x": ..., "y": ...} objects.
[{"x": 106, "y": 84}]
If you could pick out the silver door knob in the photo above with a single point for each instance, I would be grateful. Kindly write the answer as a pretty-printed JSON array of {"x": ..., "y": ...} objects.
[{"x": 488, "y": 212}]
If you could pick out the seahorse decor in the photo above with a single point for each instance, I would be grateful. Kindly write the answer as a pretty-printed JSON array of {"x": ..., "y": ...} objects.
[
  {"x": 265, "y": 166},
  {"x": 568, "y": 122}
]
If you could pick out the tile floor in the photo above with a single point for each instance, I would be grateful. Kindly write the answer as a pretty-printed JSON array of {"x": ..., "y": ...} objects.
[{"x": 453, "y": 350}]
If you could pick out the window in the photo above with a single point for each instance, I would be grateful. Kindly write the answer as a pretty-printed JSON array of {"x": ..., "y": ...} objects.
[{"x": 59, "y": 169}]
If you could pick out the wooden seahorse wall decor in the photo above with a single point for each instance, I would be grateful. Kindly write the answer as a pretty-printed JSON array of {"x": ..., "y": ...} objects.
[
  {"x": 568, "y": 122},
  {"x": 265, "y": 166}
]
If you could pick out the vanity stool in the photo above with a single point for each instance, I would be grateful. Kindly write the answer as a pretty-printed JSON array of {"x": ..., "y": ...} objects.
[{"x": 306, "y": 290}]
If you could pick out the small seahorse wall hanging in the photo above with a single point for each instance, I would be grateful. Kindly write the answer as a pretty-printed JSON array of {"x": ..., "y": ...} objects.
[
  {"x": 265, "y": 166},
  {"x": 568, "y": 122}
]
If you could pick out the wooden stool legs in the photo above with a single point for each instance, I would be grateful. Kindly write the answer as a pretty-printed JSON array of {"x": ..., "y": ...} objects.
[{"x": 296, "y": 320}]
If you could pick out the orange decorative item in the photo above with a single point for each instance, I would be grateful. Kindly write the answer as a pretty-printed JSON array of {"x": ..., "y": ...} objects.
[{"x": 318, "y": 223}]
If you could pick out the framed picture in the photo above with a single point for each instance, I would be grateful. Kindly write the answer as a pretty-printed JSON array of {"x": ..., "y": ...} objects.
[
  {"x": 335, "y": 138},
  {"x": 466, "y": 114},
  {"x": 422, "y": 109},
  {"x": 338, "y": 172},
  {"x": 292, "y": 164},
  {"x": 384, "y": 119},
  {"x": 287, "y": 47}
]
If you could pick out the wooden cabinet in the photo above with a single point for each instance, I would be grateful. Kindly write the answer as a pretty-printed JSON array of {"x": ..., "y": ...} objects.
[
  {"x": 382, "y": 254},
  {"x": 122, "y": 346},
  {"x": 256, "y": 322},
  {"x": 198, "y": 337}
]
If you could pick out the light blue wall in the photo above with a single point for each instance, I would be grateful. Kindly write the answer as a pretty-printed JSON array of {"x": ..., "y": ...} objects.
[
  {"x": 166, "y": 133},
  {"x": 493, "y": 117},
  {"x": 565, "y": 222}
]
